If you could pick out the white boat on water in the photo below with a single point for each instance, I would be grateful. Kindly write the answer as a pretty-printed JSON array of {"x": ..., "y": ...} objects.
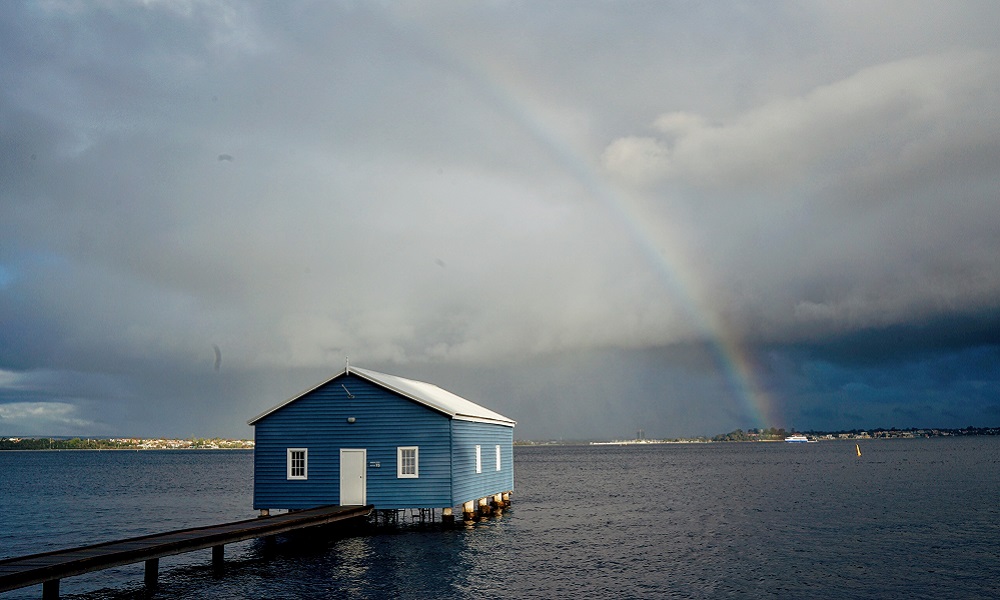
[{"x": 797, "y": 438}]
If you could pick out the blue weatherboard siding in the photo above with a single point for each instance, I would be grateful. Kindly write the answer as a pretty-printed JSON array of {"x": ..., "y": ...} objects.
[
  {"x": 384, "y": 420},
  {"x": 469, "y": 485}
]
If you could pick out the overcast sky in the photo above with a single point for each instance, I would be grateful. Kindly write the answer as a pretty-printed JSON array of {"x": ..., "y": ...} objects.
[{"x": 592, "y": 217}]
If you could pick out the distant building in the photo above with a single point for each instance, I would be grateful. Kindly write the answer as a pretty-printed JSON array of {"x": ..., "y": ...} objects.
[{"x": 364, "y": 437}]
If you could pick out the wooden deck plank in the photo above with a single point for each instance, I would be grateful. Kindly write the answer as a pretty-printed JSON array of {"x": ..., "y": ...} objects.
[{"x": 37, "y": 568}]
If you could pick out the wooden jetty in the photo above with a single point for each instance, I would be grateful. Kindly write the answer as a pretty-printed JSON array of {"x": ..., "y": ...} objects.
[{"x": 48, "y": 568}]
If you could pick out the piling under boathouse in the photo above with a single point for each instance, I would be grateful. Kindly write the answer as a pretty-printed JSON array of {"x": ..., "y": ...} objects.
[{"x": 364, "y": 437}]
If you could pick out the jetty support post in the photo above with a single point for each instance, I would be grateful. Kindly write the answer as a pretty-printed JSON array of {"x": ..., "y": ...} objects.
[
  {"x": 151, "y": 574},
  {"x": 484, "y": 508},
  {"x": 447, "y": 516},
  {"x": 218, "y": 560},
  {"x": 506, "y": 499},
  {"x": 467, "y": 514},
  {"x": 50, "y": 590}
]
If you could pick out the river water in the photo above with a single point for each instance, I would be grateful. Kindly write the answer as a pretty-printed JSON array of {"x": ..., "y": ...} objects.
[{"x": 909, "y": 518}]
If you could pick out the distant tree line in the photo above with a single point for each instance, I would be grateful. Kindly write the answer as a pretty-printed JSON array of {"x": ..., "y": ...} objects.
[{"x": 751, "y": 435}]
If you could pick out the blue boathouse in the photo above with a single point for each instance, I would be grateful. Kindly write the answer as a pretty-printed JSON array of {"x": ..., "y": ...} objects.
[{"x": 364, "y": 437}]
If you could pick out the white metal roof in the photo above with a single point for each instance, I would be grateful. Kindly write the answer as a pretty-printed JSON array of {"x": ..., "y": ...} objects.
[{"x": 427, "y": 394}]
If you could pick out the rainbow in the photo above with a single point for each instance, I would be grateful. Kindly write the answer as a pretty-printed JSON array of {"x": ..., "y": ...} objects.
[
  {"x": 503, "y": 90},
  {"x": 665, "y": 254}
]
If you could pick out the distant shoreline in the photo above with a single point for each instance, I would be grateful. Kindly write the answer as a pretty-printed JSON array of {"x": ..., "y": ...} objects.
[
  {"x": 738, "y": 435},
  {"x": 124, "y": 449},
  {"x": 754, "y": 435},
  {"x": 126, "y": 444}
]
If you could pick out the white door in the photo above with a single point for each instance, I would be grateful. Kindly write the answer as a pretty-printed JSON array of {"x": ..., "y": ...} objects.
[{"x": 352, "y": 476}]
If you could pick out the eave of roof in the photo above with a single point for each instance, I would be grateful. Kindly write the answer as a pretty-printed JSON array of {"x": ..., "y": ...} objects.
[{"x": 427, "y": 394}]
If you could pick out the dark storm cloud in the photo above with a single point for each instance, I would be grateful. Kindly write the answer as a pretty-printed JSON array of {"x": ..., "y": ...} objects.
[
  {"x": 952, "y": 388},
  {"x": 905, "y": 342},
  {"x": 555, "y": 210}
]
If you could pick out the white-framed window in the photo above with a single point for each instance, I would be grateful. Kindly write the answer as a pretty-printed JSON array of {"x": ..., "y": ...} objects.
[
  {"x": 498, "y": 457},
  {"x": 479, "y": 459},
  {"x": 298, "y": 463},
  {"x": 408, "y": 462}
]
